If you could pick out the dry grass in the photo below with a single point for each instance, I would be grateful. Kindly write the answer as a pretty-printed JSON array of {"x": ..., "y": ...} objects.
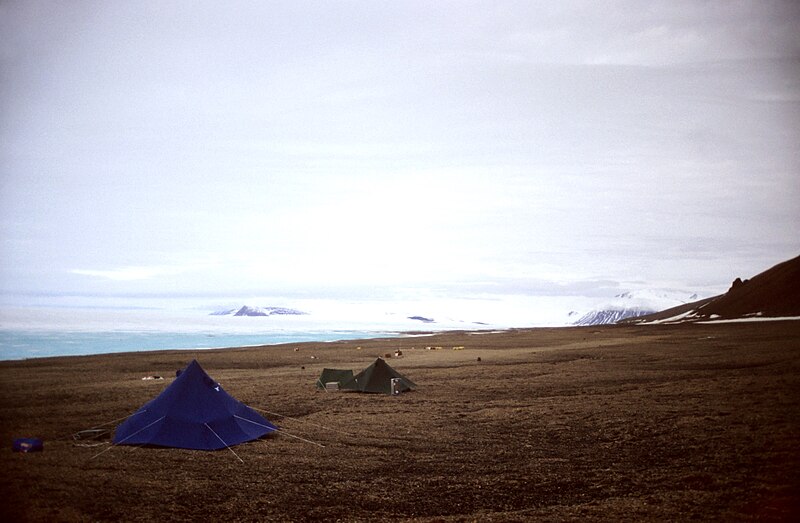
[{"x": 611, "y": 423}]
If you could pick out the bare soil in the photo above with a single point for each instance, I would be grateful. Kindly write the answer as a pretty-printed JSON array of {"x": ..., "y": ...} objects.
[{"x": 599, "y": 423}]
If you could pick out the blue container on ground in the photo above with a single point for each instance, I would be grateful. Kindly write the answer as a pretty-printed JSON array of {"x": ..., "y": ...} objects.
[{"x": 28, "y": 445}]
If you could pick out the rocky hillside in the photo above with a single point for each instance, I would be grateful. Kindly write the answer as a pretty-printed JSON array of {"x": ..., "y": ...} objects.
[{"x": 774, "y": 293}]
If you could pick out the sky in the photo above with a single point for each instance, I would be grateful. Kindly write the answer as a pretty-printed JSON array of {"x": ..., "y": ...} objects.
[{"x": 369, "y": 149}]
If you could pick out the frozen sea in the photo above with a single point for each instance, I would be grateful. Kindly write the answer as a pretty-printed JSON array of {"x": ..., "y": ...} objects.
[
  {"x": 37, "y": 333},
  {"x": 16, "y": 345},
  {"x": 44, "y": 331}
]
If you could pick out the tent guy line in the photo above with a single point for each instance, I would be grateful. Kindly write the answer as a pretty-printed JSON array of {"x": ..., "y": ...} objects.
[
  {"x": 300, "y": 420},
  {"x": 73, "y": 434},
  {"x": 114, "y": 444},
  {"x": 223, "y": 441},
  {"x": 281, "y": 431}
]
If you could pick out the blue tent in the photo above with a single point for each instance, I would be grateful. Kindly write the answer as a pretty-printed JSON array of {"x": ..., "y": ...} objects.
[{"x": 193, "y": 413}]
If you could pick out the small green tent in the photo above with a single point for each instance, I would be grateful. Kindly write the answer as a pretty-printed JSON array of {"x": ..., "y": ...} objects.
[
  {"x": 334, "y": 376},
  {"x": 379, "y": 378}
]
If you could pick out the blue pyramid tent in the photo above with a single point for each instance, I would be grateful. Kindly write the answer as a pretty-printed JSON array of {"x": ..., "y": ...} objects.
[{"x": 193, "y": 413}]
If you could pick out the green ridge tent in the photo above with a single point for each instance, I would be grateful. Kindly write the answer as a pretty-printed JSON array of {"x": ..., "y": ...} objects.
[
  {"x": 334, "y": 375},
  {"x": 379, "y": 378}
]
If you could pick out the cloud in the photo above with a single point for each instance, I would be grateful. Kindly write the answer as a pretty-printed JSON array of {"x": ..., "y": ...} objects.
[
  {"x": 130, "y": 273},
  {"x": 428, "y": 144}
]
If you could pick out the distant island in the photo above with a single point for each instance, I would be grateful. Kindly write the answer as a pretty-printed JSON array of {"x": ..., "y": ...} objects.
[{"x": 259, "y": 311}]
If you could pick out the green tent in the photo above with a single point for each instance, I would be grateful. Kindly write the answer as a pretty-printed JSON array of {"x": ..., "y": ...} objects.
[
  {"x": 333, "y": 376},
  {"x": 379, "y": 378}
]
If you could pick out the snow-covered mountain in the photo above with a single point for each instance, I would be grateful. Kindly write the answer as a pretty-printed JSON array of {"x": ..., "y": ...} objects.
[
  {"x": 609, "y": 316},
  {"x": 636, "y": 303},
  {"x": 259, "y": 311}
]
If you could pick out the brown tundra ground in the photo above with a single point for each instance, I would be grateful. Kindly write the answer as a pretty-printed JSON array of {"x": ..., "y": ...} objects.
[{"x": 598, "y": 423}]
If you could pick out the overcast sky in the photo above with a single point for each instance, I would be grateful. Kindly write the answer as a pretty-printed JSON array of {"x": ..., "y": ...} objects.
[{"x": 374, "y": 148}]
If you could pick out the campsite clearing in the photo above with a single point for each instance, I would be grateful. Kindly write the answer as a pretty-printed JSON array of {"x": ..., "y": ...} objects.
[{"x": 596, "y": 423}]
